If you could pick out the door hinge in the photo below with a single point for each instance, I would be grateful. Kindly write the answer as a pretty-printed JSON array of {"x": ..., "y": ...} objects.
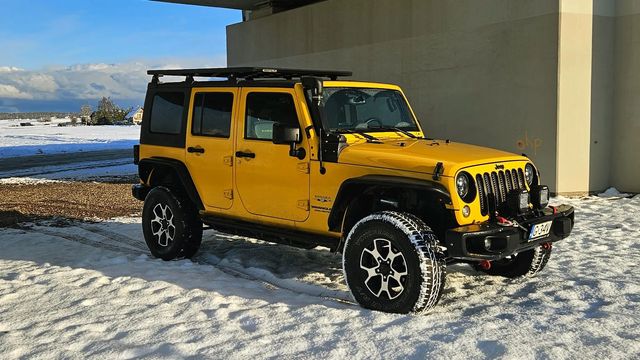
[
  {"x": 303, "y": 167},
  {"x": 228, "y": 194},
  {"x": 228, "y": 160},
  {"x": 303, "y": 204}
]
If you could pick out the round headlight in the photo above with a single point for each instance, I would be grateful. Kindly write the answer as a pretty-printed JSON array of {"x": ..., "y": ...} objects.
[
  {"x": 529, "y": 173},
  {"x": 462, "y": 184}
]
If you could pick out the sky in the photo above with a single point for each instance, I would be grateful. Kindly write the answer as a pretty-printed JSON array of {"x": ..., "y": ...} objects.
[{"x": 58, "y": 55}]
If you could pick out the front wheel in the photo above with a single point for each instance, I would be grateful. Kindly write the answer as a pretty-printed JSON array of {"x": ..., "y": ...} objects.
[
  {"x": 392, "y": 263},
  {"x": 170, "y": 225}
]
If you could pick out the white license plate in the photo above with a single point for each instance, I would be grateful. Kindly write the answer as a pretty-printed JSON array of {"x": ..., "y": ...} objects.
[{"x": 540, "y": 230}]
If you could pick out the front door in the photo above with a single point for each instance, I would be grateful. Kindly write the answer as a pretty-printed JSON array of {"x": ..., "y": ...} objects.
[
  {"x": 269, "y": 181},
  {"x": 210, "y": 136}
]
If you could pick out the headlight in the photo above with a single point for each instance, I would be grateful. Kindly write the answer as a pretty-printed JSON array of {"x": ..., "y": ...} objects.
[
  {"x": 529, "y": 173},
  {"x": 462, "y": 184},
  {"x": 465, "y": 187}
]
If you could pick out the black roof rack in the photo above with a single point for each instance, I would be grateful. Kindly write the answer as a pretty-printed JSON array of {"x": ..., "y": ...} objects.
[{"x": 249, "y": 73}]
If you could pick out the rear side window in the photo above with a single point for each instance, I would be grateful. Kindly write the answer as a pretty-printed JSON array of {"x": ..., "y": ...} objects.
[
  {"x": 166, "y": 113},
  {"x": 263, "y": 109},
  {"x": 212, "y": 114}
]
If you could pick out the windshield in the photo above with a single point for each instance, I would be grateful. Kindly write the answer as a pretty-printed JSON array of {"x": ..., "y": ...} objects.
[{"x": 366, "y": 109}]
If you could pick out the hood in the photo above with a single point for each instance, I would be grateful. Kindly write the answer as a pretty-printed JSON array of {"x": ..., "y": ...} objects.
[{"x": 421, "y": 155}]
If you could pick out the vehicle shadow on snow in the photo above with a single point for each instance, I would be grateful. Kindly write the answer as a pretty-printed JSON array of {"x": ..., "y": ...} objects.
[{"x": 221, "y": 258}]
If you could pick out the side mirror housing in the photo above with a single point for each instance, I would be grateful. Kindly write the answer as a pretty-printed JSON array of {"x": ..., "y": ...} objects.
[{"x": 285, "y": 134}]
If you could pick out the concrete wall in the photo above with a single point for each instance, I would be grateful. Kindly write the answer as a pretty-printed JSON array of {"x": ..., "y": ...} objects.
[
  {"x": 625, "y": 152},
  {"x": 483, "y": 72},
  {"x": 602, "y": 89},
  {"x": 557, "y": 80}
]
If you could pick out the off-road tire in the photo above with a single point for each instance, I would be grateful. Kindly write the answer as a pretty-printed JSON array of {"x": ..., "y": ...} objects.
[
  {"x": 404, "y": 234},
  {"x": 524, "y": 264},
  {"x": 187, "y": 228}
]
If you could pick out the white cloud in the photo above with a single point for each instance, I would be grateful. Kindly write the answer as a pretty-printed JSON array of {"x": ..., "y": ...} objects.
[
  {"x": 86, "y": 81},
  {"x": 11, "y": 92},
  {"x": 9, "y": 69}
]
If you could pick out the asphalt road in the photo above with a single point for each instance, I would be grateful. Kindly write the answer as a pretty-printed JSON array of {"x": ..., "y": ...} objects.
[{"x": 34, "y": 161}]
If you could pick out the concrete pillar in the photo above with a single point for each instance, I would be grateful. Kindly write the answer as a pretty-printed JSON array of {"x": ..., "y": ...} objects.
[{"x": 575, "y": 38}]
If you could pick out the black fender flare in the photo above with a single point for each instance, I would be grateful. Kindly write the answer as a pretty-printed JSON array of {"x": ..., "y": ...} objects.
[
  {"x": 147, "y": 166},
  {"x": 353, "y": 187}
]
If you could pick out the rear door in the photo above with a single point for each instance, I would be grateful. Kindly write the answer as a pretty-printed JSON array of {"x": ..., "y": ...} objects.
[
  {"x": 209, "y": 144},
  {"x": 269, "y": 181}
]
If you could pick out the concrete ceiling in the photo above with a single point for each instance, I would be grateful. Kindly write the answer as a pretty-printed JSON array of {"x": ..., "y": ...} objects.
[{"x": 245, "y": 4}]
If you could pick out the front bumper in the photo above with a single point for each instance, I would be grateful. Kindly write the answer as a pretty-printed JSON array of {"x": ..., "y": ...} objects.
[{"x": 468, "y": 242}]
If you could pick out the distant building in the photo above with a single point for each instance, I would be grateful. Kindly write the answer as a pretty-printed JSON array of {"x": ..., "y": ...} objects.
[{"x": 136, "y": 118}]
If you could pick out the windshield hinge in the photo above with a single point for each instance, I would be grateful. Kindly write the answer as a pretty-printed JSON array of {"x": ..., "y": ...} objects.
[{"x": 437, "y": 171}]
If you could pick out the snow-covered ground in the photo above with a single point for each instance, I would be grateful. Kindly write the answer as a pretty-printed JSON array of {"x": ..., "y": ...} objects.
[
  {"x": 48, "y": 138},
  {"x": 91, "y": 289}
]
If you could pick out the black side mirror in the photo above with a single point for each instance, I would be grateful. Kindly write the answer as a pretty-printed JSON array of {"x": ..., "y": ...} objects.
[{"x": 286, "y": 134}]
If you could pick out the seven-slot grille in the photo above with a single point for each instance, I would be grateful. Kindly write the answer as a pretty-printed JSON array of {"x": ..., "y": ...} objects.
[{"x": 498, "y": 183}]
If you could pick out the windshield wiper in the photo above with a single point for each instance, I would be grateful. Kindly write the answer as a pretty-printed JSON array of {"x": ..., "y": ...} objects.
[
  {"x": 370, "y": 138},
  {"x": 396, "y": 129}
]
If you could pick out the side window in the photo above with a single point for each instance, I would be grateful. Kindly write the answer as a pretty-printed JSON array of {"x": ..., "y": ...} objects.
[
  {"x": 166, "y": 113},
  {"x": 212, "y": 114},
  {"x": 263, "y": 109}
]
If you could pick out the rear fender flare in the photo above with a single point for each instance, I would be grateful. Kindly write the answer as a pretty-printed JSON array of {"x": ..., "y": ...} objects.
[{"x": 149, "y": 169}]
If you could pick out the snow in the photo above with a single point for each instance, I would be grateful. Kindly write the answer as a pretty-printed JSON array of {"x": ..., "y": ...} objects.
[
  {"x": 48, "y": 138},
  {"x": 612, "y": 192},
  {"x": 91, "y": 289}
]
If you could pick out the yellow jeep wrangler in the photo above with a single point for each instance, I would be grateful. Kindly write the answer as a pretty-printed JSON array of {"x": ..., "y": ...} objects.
[{"x": 302, "y": 158}]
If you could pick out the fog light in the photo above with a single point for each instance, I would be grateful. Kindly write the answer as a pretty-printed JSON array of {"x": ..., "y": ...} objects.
[
  {"x": 487, "y": 244},
  {"x": 540, "y": 196},
  {"x": 524, "y": 201},
  {"x": 518, "y": 201},
  {"x": 466, "y": 211}
]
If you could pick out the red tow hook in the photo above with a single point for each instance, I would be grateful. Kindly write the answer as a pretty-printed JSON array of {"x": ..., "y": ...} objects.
[
  {"x": 485, "y": 264},
  {"x": 547, "y": 246},
  {"x": 502, "y": 220}
]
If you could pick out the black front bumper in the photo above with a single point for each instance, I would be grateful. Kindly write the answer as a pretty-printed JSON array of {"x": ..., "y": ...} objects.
[{"x": 468, "y": 242}]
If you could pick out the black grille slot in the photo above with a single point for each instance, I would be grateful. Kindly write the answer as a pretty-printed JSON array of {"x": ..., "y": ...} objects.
[
  {"x": 482, "y": 194},
  {"x": 499, "y": 184},
  {"x": 507, "y": 177},
  {"x": 503, "y": 186},
  {"x": 495, "y": 189},
  {"x": 521, "y": 179}
]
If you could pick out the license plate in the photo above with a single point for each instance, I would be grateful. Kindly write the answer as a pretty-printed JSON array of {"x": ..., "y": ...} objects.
[{"x": 540, "y": 230}]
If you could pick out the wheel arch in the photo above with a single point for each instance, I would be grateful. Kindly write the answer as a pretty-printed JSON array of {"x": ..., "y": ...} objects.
[
  {"x": 358, "y": 197},
  {"x": 172, "y": 173}
]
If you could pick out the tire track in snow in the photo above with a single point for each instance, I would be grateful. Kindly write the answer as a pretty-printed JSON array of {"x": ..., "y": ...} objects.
[{"x": 136, "y": 248}]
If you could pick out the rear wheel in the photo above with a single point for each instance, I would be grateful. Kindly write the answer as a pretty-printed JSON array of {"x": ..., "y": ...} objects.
[
  {"x": 526, "y": 263},
  {"x": 170, "y": 225},
  {"x": 392, "y": 263}
]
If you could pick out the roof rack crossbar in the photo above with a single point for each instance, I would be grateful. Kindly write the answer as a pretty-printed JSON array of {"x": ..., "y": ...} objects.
[{"x": 249, "y": 73}]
